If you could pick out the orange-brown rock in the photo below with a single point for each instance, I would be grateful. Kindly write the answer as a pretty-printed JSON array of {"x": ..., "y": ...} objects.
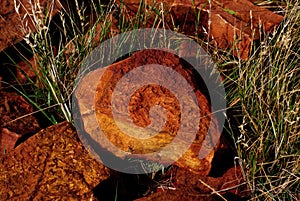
[
  {"x": 230, "y": 25},
  {"x": 140, "y": 103},
  {"x": 51, "y": 165}
]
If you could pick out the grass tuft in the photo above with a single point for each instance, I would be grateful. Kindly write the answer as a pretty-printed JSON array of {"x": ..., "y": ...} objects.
[{"x": 267, "y": 93}]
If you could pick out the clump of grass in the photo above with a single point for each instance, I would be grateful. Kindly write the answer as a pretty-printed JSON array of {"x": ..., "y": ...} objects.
[
  {"x": 267, "y": 91},
  {"x": 58, "y": 61},
  {"x": 159, "y": 175}
]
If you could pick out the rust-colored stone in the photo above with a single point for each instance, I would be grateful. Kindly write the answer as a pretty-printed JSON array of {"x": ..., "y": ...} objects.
[
  {"x": 52, "y": 164},
  {"x": 140, "y": 102},
  {"x": 192, "y": 187},
  {"x": 229, "y": 25},
  {"x": 8, "y": 141}
]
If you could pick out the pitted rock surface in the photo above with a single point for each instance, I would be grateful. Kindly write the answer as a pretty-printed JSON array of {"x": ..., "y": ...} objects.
[
  {"x": 141, "y": 101},
  {"x": 51, "y": 165}
]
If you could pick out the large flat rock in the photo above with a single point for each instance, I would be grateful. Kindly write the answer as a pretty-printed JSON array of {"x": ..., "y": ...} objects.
[{"x": 51, "y": 165}]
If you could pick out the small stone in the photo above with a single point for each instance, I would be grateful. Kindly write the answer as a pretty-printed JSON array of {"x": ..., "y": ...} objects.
[{"x": 8, "y": 141}]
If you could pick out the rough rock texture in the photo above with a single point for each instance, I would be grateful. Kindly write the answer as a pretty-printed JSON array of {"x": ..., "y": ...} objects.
[
  {"x": 16, "y": 120},
  {"x": 139, "y": 106},
  {"x": 51, "y": 165},
  {"x": 195, "y": 187},
  {"x": 15, "y": 25},
  {"x": 228, "y": 24}
]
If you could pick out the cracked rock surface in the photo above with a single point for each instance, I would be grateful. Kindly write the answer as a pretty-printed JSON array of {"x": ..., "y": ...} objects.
[
  {"x": 155, "y": 94},
  {"x": 51, "y": 165}
]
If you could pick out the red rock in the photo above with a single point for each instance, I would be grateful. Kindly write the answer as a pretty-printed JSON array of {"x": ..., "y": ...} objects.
[
  {"x": 226, "y": 24},
  {"x": 27, "y": 70},
  {"x": 143, "y": 98},
  {"x": 192, "y": 187}
]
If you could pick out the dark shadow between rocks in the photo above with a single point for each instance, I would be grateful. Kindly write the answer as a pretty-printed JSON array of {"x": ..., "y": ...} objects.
[
  {"x": 223, "y": 159},
  {"x": 233, "y": 197},
  {"x": 10, "y": 56},
  {"x": 122, "y": 187}
]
